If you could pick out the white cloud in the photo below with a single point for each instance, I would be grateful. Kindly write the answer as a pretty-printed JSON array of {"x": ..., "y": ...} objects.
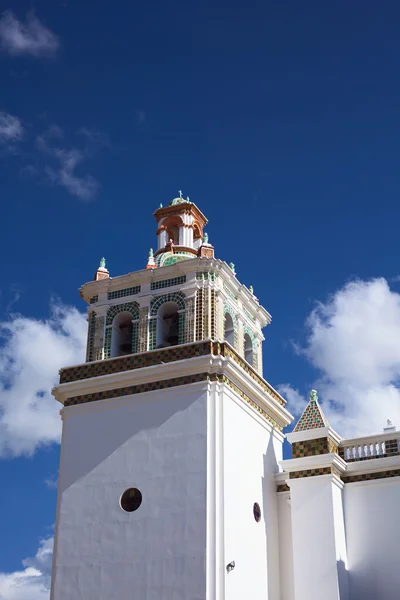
[
  {"x": 31, "y": 38},
  {"x": 11, "y": 129},
  {"x": 33, "y": 582},
  {"x": 296, "y": 402},
  {"x": 85, "y": 186},
  {"x": 353, "y": 340},
  {"x": 31, "y": 354}
]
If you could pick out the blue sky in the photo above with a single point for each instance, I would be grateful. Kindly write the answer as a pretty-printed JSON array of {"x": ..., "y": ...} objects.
[{"x": 279, "y": 120}]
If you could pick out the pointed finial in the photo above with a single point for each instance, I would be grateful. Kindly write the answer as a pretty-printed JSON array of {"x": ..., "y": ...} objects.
[
  {"x": 251, "y": 290},
  {"x": 102, "y": 263},
  {"x": 313, "y": 396},
  {"x": 188, "y": 199},
  {"x": 151, "y": 263},
  {"x": 180, "y": 193},
  {"x": 205, "y": 241},
  {"x": 161, "y": 204}
]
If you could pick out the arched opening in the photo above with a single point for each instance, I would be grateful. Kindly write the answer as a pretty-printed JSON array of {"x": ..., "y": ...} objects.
[
  {"x": 172, "y": 225},
  {"x": 229, "y": 332},
  {"x": 196, "y": 232},
  {"x": 167, "y": 333},
  {"x": 248, "y": 348},
  {"x": 173, "y": 234},
  {"x": 121, "y": 338}
]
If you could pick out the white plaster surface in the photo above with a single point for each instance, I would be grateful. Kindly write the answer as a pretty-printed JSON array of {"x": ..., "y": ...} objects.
[
  {"x": 317, "y": 572},
  {"x": 156, "y": 442},
  {"x": 373, "y": 534},
  {"x": 250, "y": 461},
  {"x": 285, "y": 547}
]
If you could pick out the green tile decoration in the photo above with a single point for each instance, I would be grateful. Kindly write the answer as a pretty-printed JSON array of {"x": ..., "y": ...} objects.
[
  {"x": 131, "y": 291},
  {"x": 206, "y": 276},
  {"x": 311, "y": 473},
  {"x": 146, "y": 359},
  {"x": 90, "y": 338},
  {"x": 248, "y": 315},
  {"x": 134, "y": 361},
  {"x": 132, "y": 307},
  {"x": 311, "y": 418},
  {"x": 230, "y": 294},
  {"x": 371, "y": 476},
  {"x": 157, "y": 285},
  {"x": 164, "y": 384},
  {"x": 313, "y": 447}
]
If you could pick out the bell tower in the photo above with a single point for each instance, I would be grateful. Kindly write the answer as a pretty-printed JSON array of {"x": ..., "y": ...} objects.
[{"x": 171, "y": 436}]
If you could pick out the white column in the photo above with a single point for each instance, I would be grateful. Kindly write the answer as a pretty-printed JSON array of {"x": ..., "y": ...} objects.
[
  {"x": 319, "y": 545},
  {"x": 162, "y": 239}
]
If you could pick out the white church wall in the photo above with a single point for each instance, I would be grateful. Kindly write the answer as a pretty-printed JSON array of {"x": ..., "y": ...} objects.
[
  {"x": 156, "y": 442},
  {"x": 250, "y": 461},
  {"x": 316, "y": 573},
  {"x": 285, "y": 547},
  {"x": 373, "y": 533}
]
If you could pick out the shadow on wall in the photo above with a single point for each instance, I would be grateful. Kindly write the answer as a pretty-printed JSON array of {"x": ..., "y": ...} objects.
[
  {"x": 343, "y": 579},
  {"x": 270, "y": 512},
  {"x": 95, "y": 432}
]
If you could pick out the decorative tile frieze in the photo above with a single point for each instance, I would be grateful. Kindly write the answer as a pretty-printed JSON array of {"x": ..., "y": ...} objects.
[
  {"x": 136, "y": 389},
  {"x": 225, "y": 350},
  {"x": 168, "y": 383},
  {"x": 137, "y": 361},
  {"x": 134, "y": 361},
  {"x": 371, "y": 476},
  {"x": 313, "y": 447},
  {"x": 131, "y": 291},
  {"x": 311, "y": 473},
  {"x": 157, "y": 285}
]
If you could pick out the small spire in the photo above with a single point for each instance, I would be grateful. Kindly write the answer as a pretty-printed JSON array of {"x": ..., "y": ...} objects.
[
  {"x": 102, "y": 272},
  {"x": 205, "y": 238},
  {"x": 161, "y": 204},
  {"x": 313, "y": 416},
  {"x": 188, "y": 199},
  {"x": 151, "y": 263}
]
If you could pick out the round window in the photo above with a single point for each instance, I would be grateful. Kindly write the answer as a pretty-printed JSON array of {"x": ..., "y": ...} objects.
[
  {"x": 131, "y": 499},
  {"x": 257, "y": 512}
]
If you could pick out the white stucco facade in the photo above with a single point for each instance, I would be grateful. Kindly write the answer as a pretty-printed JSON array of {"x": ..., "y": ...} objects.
[{"x": 172, "y": 402}]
